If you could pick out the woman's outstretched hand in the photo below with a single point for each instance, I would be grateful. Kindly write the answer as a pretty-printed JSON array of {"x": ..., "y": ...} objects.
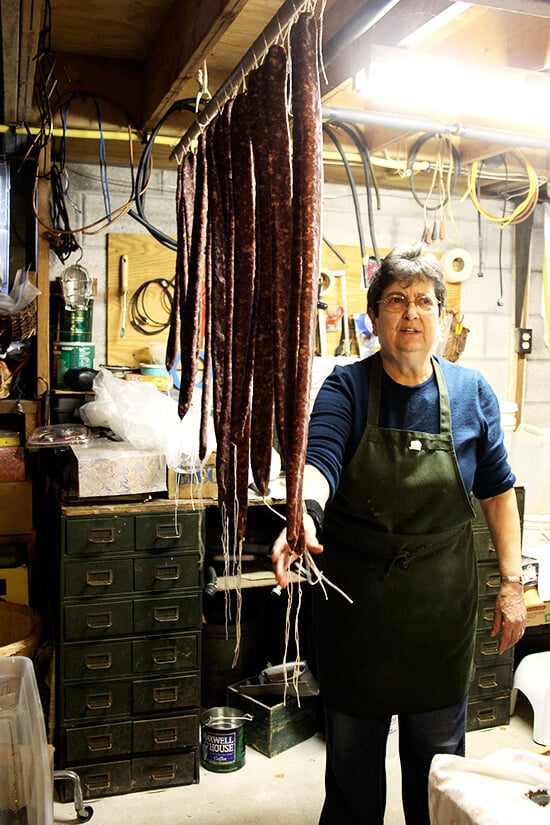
[{"x": 282, "y": 556}]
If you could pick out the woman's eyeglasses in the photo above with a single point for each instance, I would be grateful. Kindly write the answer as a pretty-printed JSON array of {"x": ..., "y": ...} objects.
[{"x": 397, "y": 302}]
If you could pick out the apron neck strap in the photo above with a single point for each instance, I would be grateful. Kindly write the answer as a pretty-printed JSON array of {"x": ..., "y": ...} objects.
[{"x": 375, "y": 385}]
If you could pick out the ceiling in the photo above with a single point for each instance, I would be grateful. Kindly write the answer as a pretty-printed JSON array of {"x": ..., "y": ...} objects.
[{"x": 134, "y": 58}]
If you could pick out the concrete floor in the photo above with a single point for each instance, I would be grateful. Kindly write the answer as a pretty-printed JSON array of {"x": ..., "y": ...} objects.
[{"x": 287, "y": 788}]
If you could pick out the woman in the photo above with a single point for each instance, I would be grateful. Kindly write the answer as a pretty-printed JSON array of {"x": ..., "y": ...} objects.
[{"x": 397, "y": 442}]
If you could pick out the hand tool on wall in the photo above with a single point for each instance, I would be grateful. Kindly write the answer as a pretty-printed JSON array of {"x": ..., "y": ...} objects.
[{"x": 123, "y": 291}]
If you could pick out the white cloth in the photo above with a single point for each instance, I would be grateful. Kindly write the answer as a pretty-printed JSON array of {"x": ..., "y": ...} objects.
[{"x": 496, "y": 790}]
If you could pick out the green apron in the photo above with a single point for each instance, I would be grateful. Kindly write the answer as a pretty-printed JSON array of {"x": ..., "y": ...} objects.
[{"x": 397, "y": 540}]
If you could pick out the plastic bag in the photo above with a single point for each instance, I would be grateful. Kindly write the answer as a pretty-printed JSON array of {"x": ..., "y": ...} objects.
[
  {"x": 138, "y": 413},
  {"x": 21, "y": 294}
]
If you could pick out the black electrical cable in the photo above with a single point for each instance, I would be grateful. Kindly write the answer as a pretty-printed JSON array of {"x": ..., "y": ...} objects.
[
  {"x": 140, "y": 317},
  {"x": 359, "y": 140},
  {"x": 144, "y": 171},
  {"x": 355, "y": 198},
  {"x": 413, "y": 153}
]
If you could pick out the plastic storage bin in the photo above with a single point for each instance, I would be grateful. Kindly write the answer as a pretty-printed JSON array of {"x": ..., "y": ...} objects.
[{"x": 26, "y": 784}]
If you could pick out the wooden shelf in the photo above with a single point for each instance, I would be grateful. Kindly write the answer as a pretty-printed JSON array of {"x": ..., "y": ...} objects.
[
  {"x": 257, "y": 578},
  {"x": 30, "y": 409}
]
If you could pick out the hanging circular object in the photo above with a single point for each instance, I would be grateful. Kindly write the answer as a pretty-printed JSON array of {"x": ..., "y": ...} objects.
[
  {"x": 457, "y": 265},
  {"x": 76, "y": 286}
]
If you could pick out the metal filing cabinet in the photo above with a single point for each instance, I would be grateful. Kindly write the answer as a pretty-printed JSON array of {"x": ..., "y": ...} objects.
[
  {"x": 489, "y": 697},
  {"x": 128, "y": 648}
]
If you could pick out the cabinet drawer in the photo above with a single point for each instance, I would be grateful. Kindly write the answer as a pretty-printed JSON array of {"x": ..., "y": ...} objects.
[
  {"x": 163, "y": 573},
  {"x": 98, "y": 619},
  {"x": 489, "y": 681},
  {"x": 167, "y": 614},
  {"x": 99, "y": 535},
  {"x": 98, "y": 742},
  {"x": 166, "y": 734},
  {"x": 166, "y": 695},
  {"x": 163, "y": 771},
  {"x": 98, "y": 700},
  {"x": 483, "y": 545},
  {"x": 165, "y": 531},
  {"x": 101, "y": 577},
  {"x": 486, "y": 652},
  {"x": 489, "y": 578},
  {"x": 488, "y": 713},
  {"x": 166, "y": 654},
  {"x": 485, "y": 612},
  {"x": 106, "y": 779},
  {"x": 83, "y": 661}
]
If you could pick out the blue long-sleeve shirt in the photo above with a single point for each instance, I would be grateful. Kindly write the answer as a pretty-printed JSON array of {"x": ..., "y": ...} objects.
[{"x": 339, "y": 417}]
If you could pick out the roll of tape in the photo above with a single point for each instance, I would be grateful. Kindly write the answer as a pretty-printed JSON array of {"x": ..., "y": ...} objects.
[
  {"x": 326, "y": 282},
  {"x": 457, "y": 265}
]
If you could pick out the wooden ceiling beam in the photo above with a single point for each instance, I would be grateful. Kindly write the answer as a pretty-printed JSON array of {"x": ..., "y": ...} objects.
[
  {"x": 9, "y": 22},
  {"x": 186, "y": 38},
  {"x": 31, "y": 22}
]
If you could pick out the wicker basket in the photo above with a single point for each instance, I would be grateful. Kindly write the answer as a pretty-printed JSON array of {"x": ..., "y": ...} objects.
[
  {"x": 20, "y": 628},
  {"x": 18, "y": 326}
]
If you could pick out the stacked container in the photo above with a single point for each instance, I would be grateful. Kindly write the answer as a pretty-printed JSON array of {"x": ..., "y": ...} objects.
[
  {"x": 26, "y": 784},
  {"x": 70, "y": 333}
]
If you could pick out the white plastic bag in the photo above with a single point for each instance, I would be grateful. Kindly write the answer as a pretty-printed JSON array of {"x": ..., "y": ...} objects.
[
  {"x": 20, "y": 295},
  {"x": 138, "y": 413}
]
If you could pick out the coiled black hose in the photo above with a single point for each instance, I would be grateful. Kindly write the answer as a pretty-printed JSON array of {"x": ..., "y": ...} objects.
[{"x": 144, "y": 171}]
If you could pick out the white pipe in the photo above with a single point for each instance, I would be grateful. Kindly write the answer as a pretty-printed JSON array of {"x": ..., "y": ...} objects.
[{"x": 415, "y": 124}]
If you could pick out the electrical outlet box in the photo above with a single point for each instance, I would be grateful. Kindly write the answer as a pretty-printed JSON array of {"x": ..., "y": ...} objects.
[{"x": 525, "y": 341}]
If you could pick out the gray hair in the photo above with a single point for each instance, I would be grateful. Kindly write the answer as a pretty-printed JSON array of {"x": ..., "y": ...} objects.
[{"x": 403, "y": 265}]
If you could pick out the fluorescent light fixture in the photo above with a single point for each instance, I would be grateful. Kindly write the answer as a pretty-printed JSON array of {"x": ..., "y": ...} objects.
[{"x": 413, "y": 82}]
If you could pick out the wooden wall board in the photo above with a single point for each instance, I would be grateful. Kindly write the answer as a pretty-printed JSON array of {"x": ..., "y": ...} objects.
[
  {"x": 147, "y": 259},
  {"x": 356, "y": 293}
]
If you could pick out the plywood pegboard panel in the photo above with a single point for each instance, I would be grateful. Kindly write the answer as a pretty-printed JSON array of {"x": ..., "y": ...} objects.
[
  {"x": 147, "y": 259},
  {"x": 353, "y": 285}
]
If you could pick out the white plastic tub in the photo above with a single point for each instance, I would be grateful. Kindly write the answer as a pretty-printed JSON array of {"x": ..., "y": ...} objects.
[{"x": 26, "y": 785}]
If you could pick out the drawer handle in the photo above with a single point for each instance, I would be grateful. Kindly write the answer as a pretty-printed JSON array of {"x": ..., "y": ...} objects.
[
  {"x": 98, "y": 782},
  {"x": 486, "y": 715},
  {"x": 101, "y": 536},
  {"x": 489, "y": 648},
  {"x": 168, "y": 531},
  {"x": 164, "y": 772},
  {"x": 165, "y": 656},
  {"x": 167, "y": 574},
  {"x": 493, "y": 582},
  {"x": 100, "y": 743},
  {"x": 99, "y": 701},
  {"x": 164, "y": 695},
  {"x": 487, "y": 682},
  {"x": 99, "y": 578},
  {"x": 99, "y": 661},
  {"x": 162, "y": 736},
  {"x": 167, "y": 614},
  {"x": 99, "y": 620},
  {"x": 489, "y": 615}
]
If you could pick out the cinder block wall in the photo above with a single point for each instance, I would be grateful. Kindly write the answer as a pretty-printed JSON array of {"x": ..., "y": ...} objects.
[{"x": 492, "y": 338}]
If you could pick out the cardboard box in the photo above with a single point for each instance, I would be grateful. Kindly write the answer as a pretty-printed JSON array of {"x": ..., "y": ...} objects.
[
  {"x": 15, "y": 507},
  {"x": 12, "y": 464},
  {"x": 197, "y": 485},
  {"x": 14, "y": 584},
  {"x": 116, "y": 468},
  {"x": 276, "y": 726},
  {"x": 538, "y": 614},
  {"x": 9, "y": 438},
  {"x": 161, "y": 382}
]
